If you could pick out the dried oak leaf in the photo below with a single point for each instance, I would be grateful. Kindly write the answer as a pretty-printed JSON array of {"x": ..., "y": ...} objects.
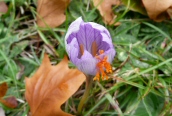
[
  {"x": 51, "y": 86},
  {"x": 10, "y": 102},
  {"x": 105, "y": 9},
  {"x": 157, "y": 9},
  {"x": 51, "y": 12}
]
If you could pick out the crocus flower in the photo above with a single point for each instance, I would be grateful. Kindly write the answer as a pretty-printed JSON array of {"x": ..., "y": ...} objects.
[{"x": 90, "y": 48}]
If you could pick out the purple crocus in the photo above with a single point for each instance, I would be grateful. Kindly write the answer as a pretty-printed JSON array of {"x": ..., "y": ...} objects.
[{"x": 90, "y": 48}]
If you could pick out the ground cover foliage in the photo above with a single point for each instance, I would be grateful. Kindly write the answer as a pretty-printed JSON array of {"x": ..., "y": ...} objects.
[{"x": 142, "y": 78}]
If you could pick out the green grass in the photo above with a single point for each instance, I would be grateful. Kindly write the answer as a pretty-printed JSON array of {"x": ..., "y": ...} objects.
[{"x": 140, "y": 87}]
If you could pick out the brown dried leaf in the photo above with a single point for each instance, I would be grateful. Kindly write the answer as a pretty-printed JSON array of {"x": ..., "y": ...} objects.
[
  {"x": 105, "y": 9},
  {"x": 10, "y": 102},
  {"x": 3, "y": 89},
  {"x": 157, "y": 9},
  {"x": 169, "y": 11},
  {"x": 51, "y": 86},
  {"x": 3, "y": 7},
  {"x": 51, "y": 12}
]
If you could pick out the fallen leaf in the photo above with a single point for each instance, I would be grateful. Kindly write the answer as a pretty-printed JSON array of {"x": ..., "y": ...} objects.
[
  {"x": 10, "y": 102},
  {"x": 105, "y": 9},
  {"x": 157, "y": 9},
  {"x": 3, "y": 7},
  {"x": 169, "y": 11},
  {"x": 51, "y": 12},
  {"x": 3, "y": 89},
  {"x": 51, "y": 86}
]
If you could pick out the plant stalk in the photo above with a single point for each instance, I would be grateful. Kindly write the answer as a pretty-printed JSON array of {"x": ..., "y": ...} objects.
[{"x": 89, "y": 82}]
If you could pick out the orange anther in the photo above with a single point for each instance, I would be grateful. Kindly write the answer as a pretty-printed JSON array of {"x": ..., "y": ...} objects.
[
  {"x": 101, "y": 51},
  {"x": 97, "y": 77},
  {"x": 101, "y": 66}
]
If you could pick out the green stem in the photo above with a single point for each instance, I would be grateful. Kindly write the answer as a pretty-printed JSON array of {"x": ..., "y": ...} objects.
[{"x": 89, "y": 81}]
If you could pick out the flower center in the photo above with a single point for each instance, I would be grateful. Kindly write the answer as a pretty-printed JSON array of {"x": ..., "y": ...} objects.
[{"x": 101, "y": 66}]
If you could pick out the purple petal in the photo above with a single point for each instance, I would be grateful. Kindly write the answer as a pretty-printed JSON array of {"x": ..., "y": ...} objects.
[
  {"x": 107, "y": 39},
  {"x": 73, "y": 50},
  {"x": 100, "y": 28},
  {"x": 74, "y": 27},
  {"x": 103, "y": 46},
  {"x": 110, "y": 54},
  {"x": 87, "y": 64},
  {"x": 86, "y": 35},
  {"x": 92, "y": 37}
]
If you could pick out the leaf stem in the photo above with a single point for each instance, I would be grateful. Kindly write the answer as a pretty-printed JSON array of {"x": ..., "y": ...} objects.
[{"x": 89, "y": 82}]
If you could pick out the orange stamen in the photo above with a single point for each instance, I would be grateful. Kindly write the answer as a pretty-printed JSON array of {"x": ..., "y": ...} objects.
[
  {"x": 94, "y": 48},
  {"x": 81, "y": 49},
  {"x": 103, "y": 64},
  {"x": 97, "y": 77},
  {"x": 101, "y": 51}
]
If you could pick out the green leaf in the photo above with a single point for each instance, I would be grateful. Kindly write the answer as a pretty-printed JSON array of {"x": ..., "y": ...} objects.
[
  {"x": 79, "y": 10},
  {"x": 135, "y": 5},
  {"x": 151, "y": 105}
]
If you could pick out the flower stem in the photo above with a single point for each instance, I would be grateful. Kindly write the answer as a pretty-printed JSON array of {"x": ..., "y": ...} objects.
[{"x": 89, "y": 82}]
